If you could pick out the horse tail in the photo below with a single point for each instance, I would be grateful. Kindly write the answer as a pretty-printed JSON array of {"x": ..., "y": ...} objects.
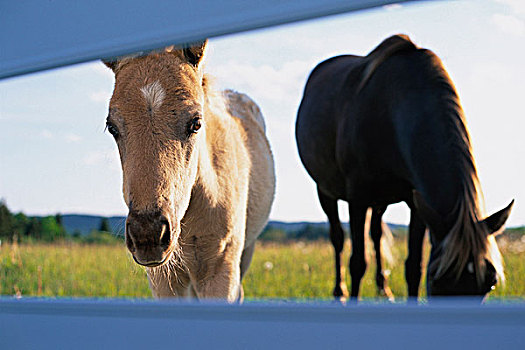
[
  {"x": 387, "y": 239},
  {"x": 388, "y": 48},
  {"x": 387, "y": 243}
]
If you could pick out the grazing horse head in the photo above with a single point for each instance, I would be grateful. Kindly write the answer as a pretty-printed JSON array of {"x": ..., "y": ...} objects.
[
  {"x": 454, "y": 270},
  {"x": 156, "y": 117}
]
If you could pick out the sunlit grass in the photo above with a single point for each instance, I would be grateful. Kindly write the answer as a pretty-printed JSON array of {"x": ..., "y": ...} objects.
[
  {"x": 60, "y": 270},
  {"x": 305, "y": 270},
  {"x": 296, "y": 270}
]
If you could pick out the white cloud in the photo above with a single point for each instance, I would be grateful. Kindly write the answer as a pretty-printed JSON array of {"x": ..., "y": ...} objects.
[
  {"x": 518, "y": 6},
  {"x": 71, "y": 138},
  {"x": 46, "y": 134},
  {"x": 493, "y": 72},
  {"x": 509, "y": 24},
  {"x": 100, "y": 96},
  {"x": 265, "y": 81},
  {"x": 100, "y": 69},
  {"x": 107, "y": 157},
  {"x": 276, "y": 89}
]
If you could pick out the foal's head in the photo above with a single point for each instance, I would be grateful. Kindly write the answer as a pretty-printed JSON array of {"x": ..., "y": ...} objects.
[{"x": 156, "y": 118}]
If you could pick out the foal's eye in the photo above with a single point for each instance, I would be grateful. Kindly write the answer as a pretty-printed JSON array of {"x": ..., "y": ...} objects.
[
  {"x": 112, "y": 129},
  {"x": 195, "y": 125}
]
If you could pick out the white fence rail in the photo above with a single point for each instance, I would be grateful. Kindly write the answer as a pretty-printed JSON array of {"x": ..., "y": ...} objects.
[
  {"x": 38, "y": 34},
  {"x": 125, "y": 324}
]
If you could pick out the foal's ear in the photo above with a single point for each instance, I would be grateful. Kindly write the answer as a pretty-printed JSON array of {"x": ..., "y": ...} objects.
[
  {"x": 118, "y": 62},
  {"x": 432, "y": 218},
  {"x": 496, "y": 221},
  {"x": 194, "y": 53},
  {"x": 111, "y": 64}
]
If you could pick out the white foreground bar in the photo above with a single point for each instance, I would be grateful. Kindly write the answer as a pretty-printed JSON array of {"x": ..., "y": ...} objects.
[
  {"x": 126, "y": 324},
  {"x": 42, "y": 34}
]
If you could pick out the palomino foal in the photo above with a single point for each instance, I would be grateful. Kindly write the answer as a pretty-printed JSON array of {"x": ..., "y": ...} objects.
[{"x": 198, "y": 173}]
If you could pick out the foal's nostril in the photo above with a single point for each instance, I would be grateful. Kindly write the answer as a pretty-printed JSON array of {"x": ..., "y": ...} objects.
[
  {"x": 148, "y": 237},
  {"x": 129, "y": 241},
  {"x": 165, "y": 232}
]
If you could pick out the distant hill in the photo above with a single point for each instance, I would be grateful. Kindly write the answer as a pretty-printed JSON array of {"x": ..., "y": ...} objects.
[
  {"x": 84, "y": 224},
  {"x": 293, "y": 227}
]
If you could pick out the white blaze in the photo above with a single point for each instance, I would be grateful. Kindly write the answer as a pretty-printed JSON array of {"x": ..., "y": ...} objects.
[{"x": 154, "y": 95}]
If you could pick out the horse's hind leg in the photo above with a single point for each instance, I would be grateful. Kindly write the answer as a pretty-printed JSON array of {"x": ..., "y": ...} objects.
[
  {"x": 357, "y": 233},
  {"x": 337, "y": 237},
  {"x": 376, "y": 231},
  {"x": 416, "y": 234}
]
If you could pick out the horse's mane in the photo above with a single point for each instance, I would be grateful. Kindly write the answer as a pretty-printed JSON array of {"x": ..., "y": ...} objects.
[
  {"x": 388, "y": 47},
  {"x": 466, "y": 238}
]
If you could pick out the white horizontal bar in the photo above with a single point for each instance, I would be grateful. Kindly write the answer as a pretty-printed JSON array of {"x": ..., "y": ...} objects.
[
  {"x": 115, "y": 324},
  {"x": 37, "y": 35}
]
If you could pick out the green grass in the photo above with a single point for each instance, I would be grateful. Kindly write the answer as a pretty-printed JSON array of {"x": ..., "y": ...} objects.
[
  {"x": 287, "y": 270},
  {"x": 70, "y": 270}
]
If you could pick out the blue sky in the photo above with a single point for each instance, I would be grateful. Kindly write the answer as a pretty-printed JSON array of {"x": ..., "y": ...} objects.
[{"x": 55, "y": 156}]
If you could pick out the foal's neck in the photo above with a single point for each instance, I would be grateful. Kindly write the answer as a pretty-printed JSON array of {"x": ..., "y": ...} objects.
[{"x": 210, "y": 159}]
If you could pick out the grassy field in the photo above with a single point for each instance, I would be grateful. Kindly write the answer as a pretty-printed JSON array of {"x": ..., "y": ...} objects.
[{"x": 288, "y": 270}]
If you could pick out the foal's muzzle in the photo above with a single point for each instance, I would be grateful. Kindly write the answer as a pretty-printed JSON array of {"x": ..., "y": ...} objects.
[{"x": 149, "y": 238}]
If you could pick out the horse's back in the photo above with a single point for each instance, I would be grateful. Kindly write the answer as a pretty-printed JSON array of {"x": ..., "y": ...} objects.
[
  {"x": 396, "y": 124},
  {"x": 352, "y": 118},
  {"x": 262, "y": 174},
  {"x": 329, "y": 77},
  {"x": 318, "y": 122}
]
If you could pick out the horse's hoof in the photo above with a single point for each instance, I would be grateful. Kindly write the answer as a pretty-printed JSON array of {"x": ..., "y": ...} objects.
[
  {"x": 340, "y": 300},
  {"x": 340, "y": 292},
  {"x": 386, "y": 292}
]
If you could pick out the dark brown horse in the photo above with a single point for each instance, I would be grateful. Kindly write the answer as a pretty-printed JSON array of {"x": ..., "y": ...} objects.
[{"x": 386, "y": 128}]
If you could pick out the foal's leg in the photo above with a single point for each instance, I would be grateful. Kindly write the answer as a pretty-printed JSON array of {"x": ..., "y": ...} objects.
[
  {"x": 376, "y": 231},
  {"x": 215, "y": 270},
  {"x": 337, "y": 236},
  {"x": 357, "y": 234},
  {"x": 246, "y": 259},
  {"x": 416, "y": 234}
]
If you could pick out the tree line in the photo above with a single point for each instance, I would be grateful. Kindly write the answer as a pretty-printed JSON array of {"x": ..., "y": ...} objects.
[
  {"x": 309, "y": 232},
  {"x": 22, "y": 228}
]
